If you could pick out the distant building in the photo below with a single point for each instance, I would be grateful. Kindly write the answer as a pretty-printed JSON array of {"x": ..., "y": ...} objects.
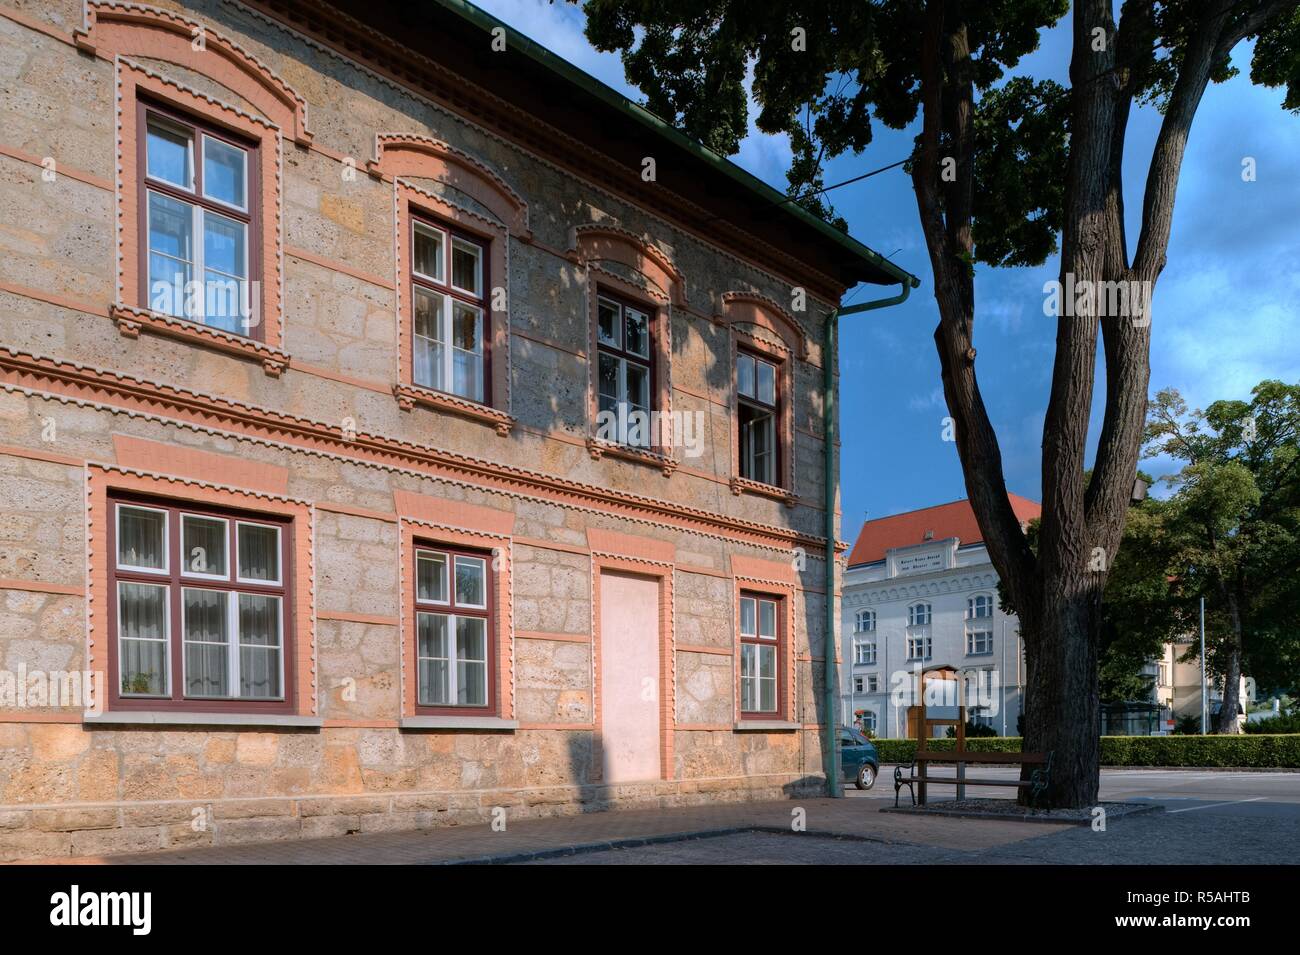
[
  {"x": 920, "y": 591},
  {"x": 1176, "y": 685}
]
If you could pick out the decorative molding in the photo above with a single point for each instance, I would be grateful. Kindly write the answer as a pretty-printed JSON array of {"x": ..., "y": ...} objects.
[
  {"x": 741, "y": 485},
  {"x": 457, "y": 515},
  {"x": 402, "y": 154},
  {"x": 125, "y": 29},
  {"x": 411, "y": 74},
  {"x": 227, "y": 470},
  {"x": 120, "y": 393},
  {"x": 753, "y": 308},
  {"x": 408, "y": 396},
  {"x": 599, "y": 242},
  {"x": 130, "y": 321},
  {"x": 597, "y": 448}
]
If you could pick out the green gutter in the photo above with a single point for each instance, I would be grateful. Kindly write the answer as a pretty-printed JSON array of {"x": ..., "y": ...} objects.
[
  {"x": 545, "y": 58},
  {"x": 831, "y": 736}
]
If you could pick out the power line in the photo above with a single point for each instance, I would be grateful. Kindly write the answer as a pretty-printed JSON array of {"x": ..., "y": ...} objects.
[{"x": 846, "y": 182}]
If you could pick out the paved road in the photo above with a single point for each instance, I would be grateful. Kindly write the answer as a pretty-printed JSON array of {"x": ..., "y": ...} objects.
[
  {"x": 1208, "y": 818},
  {"x": 1245, "y": 818}
]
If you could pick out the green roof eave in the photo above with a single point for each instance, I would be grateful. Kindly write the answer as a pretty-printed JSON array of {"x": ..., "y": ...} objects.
[{"x": 657, "y": 125}]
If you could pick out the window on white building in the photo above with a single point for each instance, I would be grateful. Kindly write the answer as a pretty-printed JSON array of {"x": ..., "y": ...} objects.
[
  {"x": 864, "y": 652},
  {"x": 979, "y": 607},
  {"x": 859, "y": 685},
  {"x": 918, "y": 615},
  {"x": 918, "y": 647},
  {"x": 873, "y": 683},
  {"x": 868, "y": 721},
  {"x": 865, "y": 622},
  {"x": 979, "y": 624}
]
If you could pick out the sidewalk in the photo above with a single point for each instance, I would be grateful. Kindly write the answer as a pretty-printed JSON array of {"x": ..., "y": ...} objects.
[{"x": 533, "y": 838}]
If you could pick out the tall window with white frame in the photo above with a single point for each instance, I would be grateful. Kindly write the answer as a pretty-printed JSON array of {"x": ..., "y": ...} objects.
[
  {"x": 197, "y": 206},
  {"x": 757, "y": 407},
  {"x": 760, "y": 656},
  {"x": 919, "y": 642},
  {"x": 454, "y": 625},
  {"x": 448, "y": 309},
  {"x": 625, "y": 372},
  {"x": 864, "y": 651},
  {"x": 201, "y": 607},
  {"x": 979, "y": 625},
  {"x": 865, "y": 621}
]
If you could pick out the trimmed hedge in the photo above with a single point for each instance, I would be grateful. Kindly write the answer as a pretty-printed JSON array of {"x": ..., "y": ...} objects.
[{"x": 1253, "y": 751}]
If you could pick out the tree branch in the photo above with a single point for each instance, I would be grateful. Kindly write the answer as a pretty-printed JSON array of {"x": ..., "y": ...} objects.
[{"x": 948, "y": 242}]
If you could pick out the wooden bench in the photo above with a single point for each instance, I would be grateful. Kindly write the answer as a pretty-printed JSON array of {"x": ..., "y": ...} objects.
[{"x": 917, "y": 772}]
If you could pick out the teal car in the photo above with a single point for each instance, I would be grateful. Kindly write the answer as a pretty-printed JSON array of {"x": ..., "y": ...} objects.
[{"x": 858, "y": 759}]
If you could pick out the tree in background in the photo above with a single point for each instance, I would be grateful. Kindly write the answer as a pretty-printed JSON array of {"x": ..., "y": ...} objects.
[
  {"x": 1230, "y": 533},
  {"x": 1007, "y": 170}
]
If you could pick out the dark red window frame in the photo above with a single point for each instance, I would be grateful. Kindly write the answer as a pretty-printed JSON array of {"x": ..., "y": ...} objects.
[
  {"x": 488, "y": 613},
  {"x": 779, "y": 601},
  {"x": 778, "y": 444},
  {"x": 175, "y": 581},
  {"x": 252, "y": 217},
  {"x": 648, "y": 361},
  {"x": 445, "y": 287}
]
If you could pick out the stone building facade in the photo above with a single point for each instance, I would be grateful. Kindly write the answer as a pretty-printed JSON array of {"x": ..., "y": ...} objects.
[{"x": 355, "y": 555}]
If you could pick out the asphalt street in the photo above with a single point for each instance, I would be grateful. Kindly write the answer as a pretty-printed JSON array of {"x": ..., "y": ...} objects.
[{"x": 1207, "y": 818}]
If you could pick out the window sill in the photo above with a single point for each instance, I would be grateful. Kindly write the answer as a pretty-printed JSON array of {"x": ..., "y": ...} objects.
[
  {"x": 457, "y": 723},
  {"x": 408, "y": 396},
  {"x": 740, "y": 485},
  {"x": 598, "y": 448},
  {"x": 188, "y": 718},
  {"x": 765, "y": 726},
  {"x": 131, "y": 321}
]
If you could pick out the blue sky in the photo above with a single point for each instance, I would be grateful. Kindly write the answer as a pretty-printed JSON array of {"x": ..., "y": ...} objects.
[{"x": 1224, "y": 315}]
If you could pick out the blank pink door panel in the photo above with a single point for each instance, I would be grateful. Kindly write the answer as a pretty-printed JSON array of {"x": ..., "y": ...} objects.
[{"x": 629, "y": 677}]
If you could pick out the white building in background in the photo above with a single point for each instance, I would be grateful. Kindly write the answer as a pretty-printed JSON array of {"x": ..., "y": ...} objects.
[{"x": 920, "y": 592}]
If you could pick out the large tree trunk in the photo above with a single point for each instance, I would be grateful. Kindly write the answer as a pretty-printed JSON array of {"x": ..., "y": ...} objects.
[
  {"x": 1062, "y": 715},
  {"x": 1057, "y": 592}
]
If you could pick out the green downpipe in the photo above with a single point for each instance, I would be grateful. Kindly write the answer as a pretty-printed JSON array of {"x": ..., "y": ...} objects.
[{"x": 831, "y": 736}]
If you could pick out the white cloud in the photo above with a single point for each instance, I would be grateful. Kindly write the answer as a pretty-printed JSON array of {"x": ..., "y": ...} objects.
[{"x": 924, "y": 402}]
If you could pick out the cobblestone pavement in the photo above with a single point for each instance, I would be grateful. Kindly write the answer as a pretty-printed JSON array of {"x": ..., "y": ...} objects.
[{"x": 1244, "y": 818}]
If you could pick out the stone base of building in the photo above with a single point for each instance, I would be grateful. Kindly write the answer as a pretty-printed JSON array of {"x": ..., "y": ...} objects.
[{"x": 96, "y": 829}]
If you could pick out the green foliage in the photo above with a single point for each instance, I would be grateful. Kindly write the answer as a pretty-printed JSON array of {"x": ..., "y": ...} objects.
[
  {"x": 860, "y": 63},
  {"x": 1255, "y": 751},
  {"x": 1188, "y": 726},
  {"x": 973, "y": 731},
  {"x": 1282, "y": 723},
  {"x": 902, "y": 750},
  {"x": 1230, "y": 533}
]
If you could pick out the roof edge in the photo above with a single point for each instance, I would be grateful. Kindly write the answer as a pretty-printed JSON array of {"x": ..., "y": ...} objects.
[{"x": 561, "y": 67}]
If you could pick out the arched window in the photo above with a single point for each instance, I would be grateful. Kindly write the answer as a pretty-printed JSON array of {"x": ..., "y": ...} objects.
[
  {"x": 979, "y": 606},
  {"x": 865, "y": 622},
  {"x": 918, "y": 615}
]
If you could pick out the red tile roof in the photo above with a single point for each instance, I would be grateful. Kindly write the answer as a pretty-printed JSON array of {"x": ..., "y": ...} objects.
[{"x": 943, "y": 521}]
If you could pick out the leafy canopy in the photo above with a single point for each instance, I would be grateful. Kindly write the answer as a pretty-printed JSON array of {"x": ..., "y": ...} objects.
[{"x": 825, "y": 71}]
